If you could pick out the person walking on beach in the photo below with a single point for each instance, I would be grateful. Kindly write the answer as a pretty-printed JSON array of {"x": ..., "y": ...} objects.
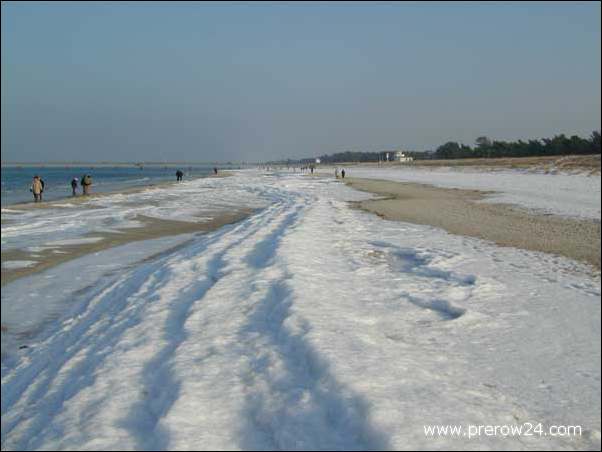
[
  {"x": 343, "y": 174},
  {"x": 86, "y": 183},
  {"x": 215, "y": 171},
  {"x": 74, "y": 186},
  {"x": 36, "y": 188},
  {"x": 336, "y": 173},
  {"x": 179, "y": 175}
]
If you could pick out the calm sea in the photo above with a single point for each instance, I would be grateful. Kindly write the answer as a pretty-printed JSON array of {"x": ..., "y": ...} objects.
[{"x": 16, "y": 181}]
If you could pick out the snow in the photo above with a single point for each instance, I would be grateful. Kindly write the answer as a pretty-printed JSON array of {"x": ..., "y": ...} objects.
[
  {"x": 80, "y": 241},
  {"x": 193, "y": 200},
  {"x": 37, "y": 249},
  {"x": 31, "y": 302},
  {"x": 16, "y": 264},
  {"x": 574, "y": 195},
  {"x": 309, "y": 325}
]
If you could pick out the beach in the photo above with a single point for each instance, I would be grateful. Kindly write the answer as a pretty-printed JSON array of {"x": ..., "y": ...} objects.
[
  {"x": 318, "y": 226},
  {"x": 460, "y": 212},
  {"x": 580, "y": 164},
  {"x": 150, "y": 228},
  {"x": 279, "y": 310},
  {"x": 31, "y": 258}
]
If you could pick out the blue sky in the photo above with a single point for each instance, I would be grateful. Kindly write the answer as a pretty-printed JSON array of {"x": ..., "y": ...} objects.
[{"x": 237, "y": 81}]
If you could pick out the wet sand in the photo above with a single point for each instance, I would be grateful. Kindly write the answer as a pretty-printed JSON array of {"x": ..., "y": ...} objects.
[
  {"x": 458, "y": 212},
  {"x": 151, "y": 228}
]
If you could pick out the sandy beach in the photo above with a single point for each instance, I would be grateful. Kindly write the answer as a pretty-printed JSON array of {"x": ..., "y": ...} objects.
[{"x": 459, "y": 212}]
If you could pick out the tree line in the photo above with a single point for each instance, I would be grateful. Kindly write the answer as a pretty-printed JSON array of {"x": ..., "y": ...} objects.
[{"x": 484, "y": 147}]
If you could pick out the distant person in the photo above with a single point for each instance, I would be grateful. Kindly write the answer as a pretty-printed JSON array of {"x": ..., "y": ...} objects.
[
  {"x": 36, "y": 188},
  {"x": 336, "y": 173},
  {"x": 215, "y": 171},
  {"x": 343, "y": 174},
  {"x": 179, "y": 175},
  {"x": 312, "y": 169},
  {"x": 74, "y": 183},
  {"x": 86, "y": 183}
]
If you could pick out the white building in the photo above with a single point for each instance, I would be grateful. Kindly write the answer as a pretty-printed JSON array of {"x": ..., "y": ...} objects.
[{"x": 401, "y": 157}]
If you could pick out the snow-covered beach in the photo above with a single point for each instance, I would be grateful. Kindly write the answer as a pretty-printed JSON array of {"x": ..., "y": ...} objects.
[
  {"x": 562, "y": 193},
  {"x": 307, "y": 325}
]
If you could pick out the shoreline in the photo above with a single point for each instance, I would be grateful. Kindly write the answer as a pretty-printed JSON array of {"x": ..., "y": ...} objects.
[
  {"x": 82, "y": 198},
  {"x": 150, "y": 228},
  {"x": 458, "y": 211}
]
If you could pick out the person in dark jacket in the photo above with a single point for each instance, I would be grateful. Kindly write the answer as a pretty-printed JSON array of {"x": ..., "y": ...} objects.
[{"x": 74, "y": 186}]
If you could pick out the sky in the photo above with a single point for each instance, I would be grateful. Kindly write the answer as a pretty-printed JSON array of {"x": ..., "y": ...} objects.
[{"x": 197, "y": 82}]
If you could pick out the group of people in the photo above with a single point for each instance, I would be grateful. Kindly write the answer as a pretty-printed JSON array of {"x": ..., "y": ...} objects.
[
  {"x": 336, "y": 173},
  {"x": 86, "y": 184},
  {"x": 309, "y": 168},
  {"x": 38, "y": 185}
]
